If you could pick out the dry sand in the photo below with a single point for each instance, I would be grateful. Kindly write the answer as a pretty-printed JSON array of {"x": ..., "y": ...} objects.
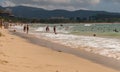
[{"x": 19, "y": 55}]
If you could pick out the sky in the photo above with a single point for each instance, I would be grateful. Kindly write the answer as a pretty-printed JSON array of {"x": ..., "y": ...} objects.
[{"x": 96, "y": 5}]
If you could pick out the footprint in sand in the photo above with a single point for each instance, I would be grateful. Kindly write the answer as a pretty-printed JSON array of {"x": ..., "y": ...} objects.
[
  {"x": 1, "y": 53},
  {"x": 11, "y": 38},
  {"x": 3, "y": 62}
]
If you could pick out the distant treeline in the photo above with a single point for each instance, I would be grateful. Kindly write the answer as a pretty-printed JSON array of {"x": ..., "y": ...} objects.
[{"x": 91, "y": 19}]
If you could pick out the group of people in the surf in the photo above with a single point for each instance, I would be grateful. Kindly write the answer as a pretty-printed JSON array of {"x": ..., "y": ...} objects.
[
  {"x": 26, "y": 28},
  {"x": 48, "y": 29}
]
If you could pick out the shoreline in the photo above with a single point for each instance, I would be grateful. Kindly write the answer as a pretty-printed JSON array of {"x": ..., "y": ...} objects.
[
  {"x": 95, "y": 58},
  {"x": 97, "y": 45},
  {"x": 84, "y": 23}
]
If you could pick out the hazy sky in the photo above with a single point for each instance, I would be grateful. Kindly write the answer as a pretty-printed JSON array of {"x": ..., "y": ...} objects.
[{"x": 101, "y": 5}]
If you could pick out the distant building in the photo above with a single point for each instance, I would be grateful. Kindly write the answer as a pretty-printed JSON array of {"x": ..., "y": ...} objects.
[
  {"x": 5, "y": 14},
  {"x": 58, "y": 17}
]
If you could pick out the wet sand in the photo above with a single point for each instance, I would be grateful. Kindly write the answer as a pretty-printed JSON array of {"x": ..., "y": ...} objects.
[
  {"x": 23, "y": 53},
  {"x": 105, "y": 61}
]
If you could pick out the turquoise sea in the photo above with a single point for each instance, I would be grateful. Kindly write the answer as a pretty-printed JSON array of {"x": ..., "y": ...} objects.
[{"x": 106, "y": 30}]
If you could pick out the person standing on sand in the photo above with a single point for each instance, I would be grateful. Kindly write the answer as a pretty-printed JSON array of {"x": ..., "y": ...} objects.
[{"x": 54, "y": 29}]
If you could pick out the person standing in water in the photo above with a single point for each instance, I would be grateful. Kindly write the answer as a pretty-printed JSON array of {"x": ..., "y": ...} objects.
[
  {"x": 47, "y": 28},
  {"x": 27, "y": 28},
  {"x": 24, "y": 28},
  {"x": 54, "y": 29}
]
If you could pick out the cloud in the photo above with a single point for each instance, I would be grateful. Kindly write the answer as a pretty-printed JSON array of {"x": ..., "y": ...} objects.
[
  {"x": 95, "y": 1},
  {"x": 7, "y": 3},
  {"x": 54, "y": 4},
  {"x": 112, "y": 1},
  {"x": 87, "y": 1},
  {"x": 66, "y": 4}
]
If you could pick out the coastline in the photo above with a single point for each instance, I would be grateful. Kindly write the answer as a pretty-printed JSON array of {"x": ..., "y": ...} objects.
[
  {"x": 95, "y": 58},
  {"x": 23, "y": 53}
]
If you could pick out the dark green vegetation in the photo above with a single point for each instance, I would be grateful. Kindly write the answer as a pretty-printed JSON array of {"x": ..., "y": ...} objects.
[{"x": 39, "y": 15}]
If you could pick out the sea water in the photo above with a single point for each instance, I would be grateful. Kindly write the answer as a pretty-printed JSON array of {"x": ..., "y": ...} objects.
[{"x": 106, "y": 42}]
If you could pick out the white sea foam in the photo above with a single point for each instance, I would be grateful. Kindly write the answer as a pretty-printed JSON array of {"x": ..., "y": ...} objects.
[
  {"x": 58, "y": 29},
  {"x": 103, "y": 46},
  {"x": 40, "y": 29},
  {"x": 87, "y": 24},
  {"x": 18, "y": 28}
]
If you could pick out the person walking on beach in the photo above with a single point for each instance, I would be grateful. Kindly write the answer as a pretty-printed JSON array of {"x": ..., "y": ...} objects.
[{"x": 54, "y": 29}]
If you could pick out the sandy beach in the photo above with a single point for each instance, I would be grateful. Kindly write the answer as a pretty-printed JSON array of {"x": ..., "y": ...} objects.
[{"x": 20, "y": 55}]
